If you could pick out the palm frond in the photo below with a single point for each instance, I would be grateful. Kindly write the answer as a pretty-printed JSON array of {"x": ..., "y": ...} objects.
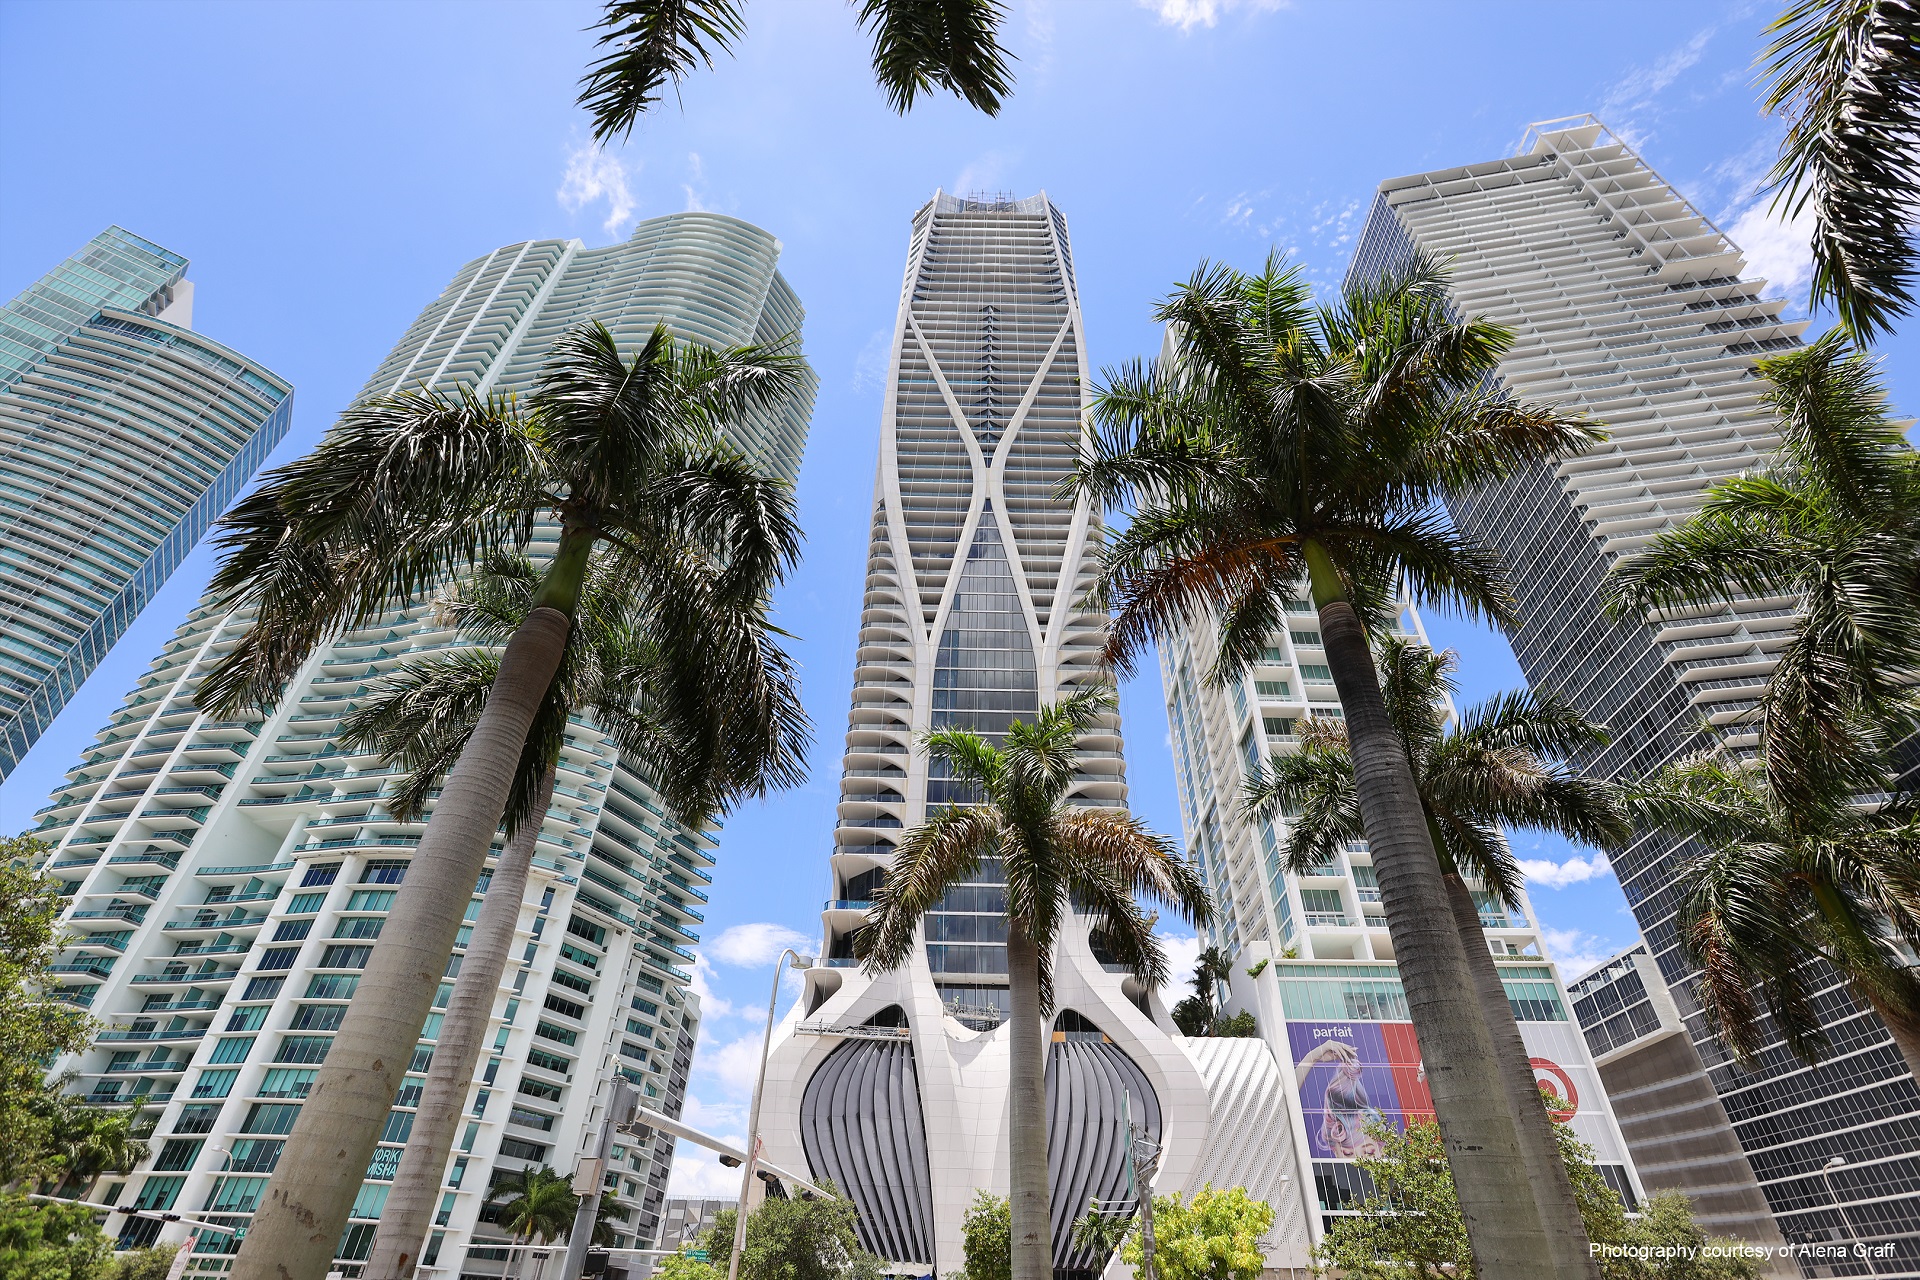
[
  {"x": 652, "y": 43},
  {"x": 1140, "y": 862},
  {"x": 1846, "y": 76},
  {"x": 932, "y": 857},
  {"x": 923, "y": 45}
]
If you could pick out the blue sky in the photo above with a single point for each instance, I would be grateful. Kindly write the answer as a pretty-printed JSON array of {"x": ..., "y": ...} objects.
[{"x": 328, "y": 167}]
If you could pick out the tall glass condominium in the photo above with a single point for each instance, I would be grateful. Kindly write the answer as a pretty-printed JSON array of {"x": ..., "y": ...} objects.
[
  {"x": 227, "y": 877},
  {"x": 122, "y": 435},
  {"x": 895, "y": 1086},
  {"x": 1632, "y": 307}
]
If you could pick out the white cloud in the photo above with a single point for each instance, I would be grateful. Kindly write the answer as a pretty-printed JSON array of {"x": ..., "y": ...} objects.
[
  {"x": 712, "y": 1003},
  {"x": 1641, "y": 85},
  {"x": 698, "y": 1175},
  {"x": 751, "y": 946},
  {"x": 985, "y": 174},
  {"x": 1780, "y": 251},
  {"x": 1181, "y": 954},
  {"x": 1576, "y": 952},
  {"x": 735, "y": 1063},
  {"x": 594, "y": 175},
  {"x": 696, "y": 184},
  {"x": 870, "y": 366},
  {"x": 1558, "y": 875},
  {"x": 1188, "y": 14}
]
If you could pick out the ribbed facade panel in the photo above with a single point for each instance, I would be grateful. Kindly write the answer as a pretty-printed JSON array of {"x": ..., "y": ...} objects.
[{"x": 228, "y": 877}]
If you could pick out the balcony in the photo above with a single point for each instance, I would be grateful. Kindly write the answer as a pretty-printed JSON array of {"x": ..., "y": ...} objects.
[{"x": 1329, "y": 919}]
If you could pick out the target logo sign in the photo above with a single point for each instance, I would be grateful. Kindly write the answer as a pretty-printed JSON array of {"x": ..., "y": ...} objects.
[{"x": 1550, "y": 1076}]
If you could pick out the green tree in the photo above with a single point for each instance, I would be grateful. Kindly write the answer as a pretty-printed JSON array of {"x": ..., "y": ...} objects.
[
  {"x": 678, "y": 1266},
  {"x": 1054, "y": 856},
  {"x": 793, "y": 1239},
  {"x": 40, "y": 1241},
  {"x": 1100, "y": 1234},
  {"x": 700, "y": 750},
  {"x": 408, "y": 490},
  {"x": 155, "y": 1263},
  {"x": 1284, "y": 442},
  {"x": 1780, "y": 886},
  {"x": 986, "y": 1233},
  {"x": 536, "y": 1206},
  {"x": 1410, "y": 1226},
  {"x": 1833, "y": 523},
  {"x": 919, "y": 46},
  {"x": 34, "y": 1028},
  {"x": 82, "y": 1142},
  {"x": 1501, "y": 765},
  {"x": 1217, "y": 1235},
  {"x": 1845, "y": 74}
]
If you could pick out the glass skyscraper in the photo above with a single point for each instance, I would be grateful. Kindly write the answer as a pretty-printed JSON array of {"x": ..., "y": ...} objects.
[
  {"x": 123, "y": 434},
  {"x": 1631, "y": 306},
  {"x": 896, "y": 1086},
  {"x": 228, "y": 877}
]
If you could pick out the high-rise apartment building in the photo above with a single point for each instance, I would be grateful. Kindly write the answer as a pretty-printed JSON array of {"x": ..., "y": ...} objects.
[
  {"x": 122, "y": 435},
  {"x": 1629, "y": 305},
  {"x": 1674, "y": 1125},
  {"x": 1313, "y": 961},
  {"x": 895, "y": 1086},
  {"x": 227, "y": 877}
]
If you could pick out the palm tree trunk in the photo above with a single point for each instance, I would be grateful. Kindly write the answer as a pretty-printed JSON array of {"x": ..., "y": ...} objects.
[
  {"x": 1028, "y": 1201},
  {"x": 1552, "y": 1189},
  {"x": 300, "y": 1219},
  {"x": 1483, "y": 1152},
  {"x": 408, "y": 1215}
]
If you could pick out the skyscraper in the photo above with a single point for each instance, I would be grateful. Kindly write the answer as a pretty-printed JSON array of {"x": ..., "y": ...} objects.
[
  {"x": 1631, "y": 306},
  {"x": 122, "y": 435},
  {"x": 896, "y": 1086},
  {"x": 1313, "y": 961},
  {"x": 227, "y": 877}
]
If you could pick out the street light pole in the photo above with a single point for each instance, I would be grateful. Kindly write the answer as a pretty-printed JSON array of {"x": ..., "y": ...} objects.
[
  {"x": 590, "y": 1179},
  {"x": 184, "y": 1257},
  {"x": 751, "y": 1164},
  {"x": 1826, "y": 1176}
]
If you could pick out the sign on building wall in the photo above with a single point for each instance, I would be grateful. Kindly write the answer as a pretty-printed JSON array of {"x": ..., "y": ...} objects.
[{"x": 1351, "y": 1075}]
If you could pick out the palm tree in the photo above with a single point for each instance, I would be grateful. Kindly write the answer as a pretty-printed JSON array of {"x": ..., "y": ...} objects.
[
  {"x": 1054, "y": 855},
  {"x": 1782, "y": 888},
  {"x": 536, "y": 1205},
  {"x": 698, "y": 748},
  {"x": 411, "y": 489},
  {"x": 1284, "y": 442},
  {"x": 1833, "y": 522},
  {"x": 1211, "y": 970},
  {"x": 919, "y": 46},
  {"x": 1846, "y": 76},
  {"x": 1500, "y": 766},
  {"x": 87, "y": 1141}
]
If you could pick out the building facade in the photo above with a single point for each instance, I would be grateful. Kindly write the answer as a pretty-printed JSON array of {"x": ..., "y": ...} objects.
[
  {"x": 1674, "y": 1125},
  {"x": 687, "y": 1220},
  {"x": 896, "y": 1086},
  {"x": 1629, "y": 305},
  {"x": 1312, "y": 959},
  {"x": 123, "y": 434},
  {"x": 227, "y": 878}
]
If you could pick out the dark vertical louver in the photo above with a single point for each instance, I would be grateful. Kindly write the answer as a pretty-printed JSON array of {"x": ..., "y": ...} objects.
[
  {"x": 861, "y": 1126},
  {"x": 1088, "y": 1077}
]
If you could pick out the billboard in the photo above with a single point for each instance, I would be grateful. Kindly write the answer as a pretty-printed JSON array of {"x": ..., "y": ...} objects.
[{"x": 1349, "y": 1075}]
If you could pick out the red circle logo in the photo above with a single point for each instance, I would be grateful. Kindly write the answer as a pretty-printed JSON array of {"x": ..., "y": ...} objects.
[{"x": 1550, "y": 1076}]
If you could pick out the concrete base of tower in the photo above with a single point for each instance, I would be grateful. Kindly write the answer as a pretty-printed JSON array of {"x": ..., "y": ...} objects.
[{"x": 875, "y": 1083}]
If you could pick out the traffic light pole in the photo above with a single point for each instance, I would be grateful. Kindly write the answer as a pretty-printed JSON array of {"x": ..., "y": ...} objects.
[{"x": 591, "y": 1177}]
